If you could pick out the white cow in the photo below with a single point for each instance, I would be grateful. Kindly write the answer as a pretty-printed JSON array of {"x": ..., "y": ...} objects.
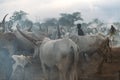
[
  {"x": 20, "y": 60},
  {"x": 59, "y": 53}
]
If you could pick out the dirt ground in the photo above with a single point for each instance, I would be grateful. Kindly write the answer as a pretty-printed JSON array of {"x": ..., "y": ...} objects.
[{"x": 110, "y": 71}]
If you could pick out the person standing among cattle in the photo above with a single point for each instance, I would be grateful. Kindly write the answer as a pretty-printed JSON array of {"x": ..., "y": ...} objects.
[
  {"x": 80, "y": 31},
  {"x": 112, "y": 30},
  {"x": 112, "y": 33}
]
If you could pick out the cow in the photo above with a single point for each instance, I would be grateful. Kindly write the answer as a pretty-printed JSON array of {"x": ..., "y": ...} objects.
[
  {"x": 8, "y": 41},
  {"x": 20, "y": 60},
  {"x": 90, "y": 44},
  {"x": 60, "y": 54},
  {"x": 17, "y": 44},
  {"x": 6, "y": 63},
  {"x": 14, "y": 42}
]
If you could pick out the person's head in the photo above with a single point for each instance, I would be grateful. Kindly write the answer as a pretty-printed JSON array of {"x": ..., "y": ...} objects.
[
  {"x": 112, "y": 26},
  {"x": 78, "y": 26}
]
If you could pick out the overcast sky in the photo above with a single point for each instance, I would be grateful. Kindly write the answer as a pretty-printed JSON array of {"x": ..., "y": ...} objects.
[{"x": 106, "y": 10}]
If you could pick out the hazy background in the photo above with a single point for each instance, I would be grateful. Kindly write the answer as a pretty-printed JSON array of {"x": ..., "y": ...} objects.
[{"x": 106, "y": 10}]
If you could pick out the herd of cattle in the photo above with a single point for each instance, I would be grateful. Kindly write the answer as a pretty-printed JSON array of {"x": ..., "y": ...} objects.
[{"x": 64, "y": 56}]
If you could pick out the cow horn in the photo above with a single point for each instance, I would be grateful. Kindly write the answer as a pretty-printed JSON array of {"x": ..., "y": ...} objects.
[
  {"x": 3, "y": 21},
  {"x": 34, "y": 41}
]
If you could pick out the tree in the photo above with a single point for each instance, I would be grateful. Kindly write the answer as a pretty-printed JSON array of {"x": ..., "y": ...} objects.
[
  {"x": 77, "y": 16},
  {"x": 116, "y": 23},
  {"x": 95, "y": 25},
  {"x": 39, "y": 25},
  {"x": 29, "y": 24},
  {"x": 98, "y": 22},
  {"x": 54, "y": 23},
  {"x": 69, "y": 19},
  {"x": 51, "y": 22},
  {"x": 9, "y": 24},
  {"x": 19, "y": 17},
  {"x": 58, "y": 32}
]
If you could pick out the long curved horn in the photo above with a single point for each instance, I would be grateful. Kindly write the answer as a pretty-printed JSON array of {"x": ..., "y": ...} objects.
[
  {"x": 3, "y": 22},
  {"x": 34, "y": 41}
]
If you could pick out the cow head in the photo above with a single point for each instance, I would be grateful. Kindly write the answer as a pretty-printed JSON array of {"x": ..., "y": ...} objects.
[{"x": 36, "y": 42}]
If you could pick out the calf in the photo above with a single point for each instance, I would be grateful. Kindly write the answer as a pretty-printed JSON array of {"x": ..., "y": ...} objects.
[{"x": 20, "y": 60}]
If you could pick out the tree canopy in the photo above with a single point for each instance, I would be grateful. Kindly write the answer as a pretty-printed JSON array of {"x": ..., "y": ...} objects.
[{"x": 67, "y": 19}]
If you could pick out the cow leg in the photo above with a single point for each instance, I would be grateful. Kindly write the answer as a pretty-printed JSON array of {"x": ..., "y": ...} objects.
[
  {"x": 61, "y": 75},
  {"x": 14, "y": 68},
  {"x": 110, "y": 58},
  {"x": 45, "y": 74},
  {"x": 64, "y": 68},
  {"x": 99, "y": 69},
  {"x": 60, "y": 71},
  {"x": 8, "y": 74},
  {"x": 54, "y": 73},
  {"x": 23, "y": 71},
  {"x": 36, "y": 52},
  {"x": 64, "y": 76}
]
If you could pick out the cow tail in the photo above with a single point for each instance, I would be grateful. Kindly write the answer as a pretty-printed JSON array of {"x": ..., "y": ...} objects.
[{"x": 74, "y": 63}]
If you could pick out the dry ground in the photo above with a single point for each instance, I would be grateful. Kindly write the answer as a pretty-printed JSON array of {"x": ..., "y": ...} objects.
[{"x": 110, "y": 71}]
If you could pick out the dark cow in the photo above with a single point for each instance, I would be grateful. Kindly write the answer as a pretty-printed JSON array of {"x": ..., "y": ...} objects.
[{"x": 6, "y": 63}]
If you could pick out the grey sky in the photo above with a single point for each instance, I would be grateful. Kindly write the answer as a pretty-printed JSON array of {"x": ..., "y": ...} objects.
[{"x": 107, "y": 10}]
